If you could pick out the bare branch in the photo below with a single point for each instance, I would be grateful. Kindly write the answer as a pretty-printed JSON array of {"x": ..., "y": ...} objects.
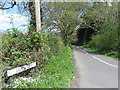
[{"x": 8, "y": 7}]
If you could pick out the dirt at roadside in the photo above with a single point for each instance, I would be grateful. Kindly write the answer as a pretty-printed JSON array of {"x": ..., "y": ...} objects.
[{"x": 75, "y": 82}]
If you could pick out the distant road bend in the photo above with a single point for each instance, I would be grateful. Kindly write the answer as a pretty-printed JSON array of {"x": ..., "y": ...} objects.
[{"x": 93, "y": 70}]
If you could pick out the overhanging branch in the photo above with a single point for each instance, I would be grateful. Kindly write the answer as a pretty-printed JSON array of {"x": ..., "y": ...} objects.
[{"x": 8, "y": 7}]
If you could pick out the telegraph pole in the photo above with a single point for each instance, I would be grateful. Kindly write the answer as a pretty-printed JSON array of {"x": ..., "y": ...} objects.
[{"x": 38, "y": 15}]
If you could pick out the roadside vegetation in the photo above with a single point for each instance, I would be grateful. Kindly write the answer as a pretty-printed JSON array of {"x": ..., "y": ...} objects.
[
  {"x": 106, "y": 40},
  {"x": 113, "y": 54},
  {"x": 57, "y": 73},
  {"x": 93, "y": 25},
  {"x": 101, "y": 33},
  {"x": 54, "y": 60}
]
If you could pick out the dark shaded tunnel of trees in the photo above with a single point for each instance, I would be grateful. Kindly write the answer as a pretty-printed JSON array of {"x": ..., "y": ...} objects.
[{"x": 84, "y": 35}]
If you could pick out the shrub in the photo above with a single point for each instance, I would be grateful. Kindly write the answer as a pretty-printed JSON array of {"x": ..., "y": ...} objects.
[
  {"x": 107, "y": 38},
  {"x": 20, "y": 49},
  {"x": 55, "y": 43},
  {"x": 56, "y": 74}
]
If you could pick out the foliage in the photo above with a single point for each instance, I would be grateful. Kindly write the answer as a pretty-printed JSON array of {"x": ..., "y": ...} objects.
[
  {"x": 19, "y": 49},
  {"x": 92, "y": 21},
  {"x": 55, "y": 43},
  {"x": 57, "y": 73},
  {"x": 99, "y": 29},
  {"x": 107, "y": 38},
  {"x": 113, "y": 54},
  {"x": 60, "y": 68},
  {"x": 63, "y": 18}
]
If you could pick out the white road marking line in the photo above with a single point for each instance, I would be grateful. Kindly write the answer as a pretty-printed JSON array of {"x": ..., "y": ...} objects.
[
  {"x": 85, "y": 51},
  {"x": 105, "y": 62}
]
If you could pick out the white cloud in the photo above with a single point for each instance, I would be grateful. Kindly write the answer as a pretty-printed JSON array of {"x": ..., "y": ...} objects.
[
  {"x": 2, "y": 12},
  {"x": 3, "y": 18},
  {"x": 5, "y": 25},
  {"x": 17, "y": 19}
]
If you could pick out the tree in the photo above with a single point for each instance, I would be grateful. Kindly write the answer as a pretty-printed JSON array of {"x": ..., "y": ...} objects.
[
  {"x": 11, "y": 4},
  {"x": 63, "y": 19},
  {"x": 107, "y": 34},
  {"x": 94, "y": 18},
  {"x": 25, "y": 8},
  {"x": 107, "y": 38}
]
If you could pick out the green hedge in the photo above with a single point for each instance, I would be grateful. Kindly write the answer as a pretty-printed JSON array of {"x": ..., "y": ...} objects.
[
  {"x": 19, "y": 48},
  {"x": 56, "y": 74}
]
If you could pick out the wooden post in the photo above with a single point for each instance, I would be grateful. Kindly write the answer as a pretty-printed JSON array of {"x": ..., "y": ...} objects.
[
  {"x": 38, "y": 15},
  {"x": 9, "y": 79},
  {"x": 0, "y": 78}
]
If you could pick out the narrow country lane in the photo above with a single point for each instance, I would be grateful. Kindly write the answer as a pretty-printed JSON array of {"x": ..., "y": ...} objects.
[{"x": 93, "y": 70}]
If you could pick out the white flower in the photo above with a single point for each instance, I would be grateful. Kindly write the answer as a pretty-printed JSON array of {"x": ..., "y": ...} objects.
[
  {"x": 15, "y": 86},
  {"x": 49, "y": 86},
  {"x": 73, "y": 77}
]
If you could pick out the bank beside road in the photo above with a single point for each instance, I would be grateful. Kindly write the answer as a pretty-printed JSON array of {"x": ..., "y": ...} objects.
[
  {"x": 93, "y": 70},
  {"x": 57, "y": 73}
]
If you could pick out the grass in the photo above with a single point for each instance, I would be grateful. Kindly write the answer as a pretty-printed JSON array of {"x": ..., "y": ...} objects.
[
  {"x": 113, "y": 54},
  {"x": 57, "y": 73}
]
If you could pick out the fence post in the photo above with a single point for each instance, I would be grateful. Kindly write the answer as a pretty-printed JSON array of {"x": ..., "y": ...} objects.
[
  {"x": 0, "y": 78},
  {"x": 8, "y": 79},
  {"x": 32, "y": 71}
]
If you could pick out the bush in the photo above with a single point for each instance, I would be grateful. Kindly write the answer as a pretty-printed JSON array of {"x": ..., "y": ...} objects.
[
  {"x": 57, "y": 73},
  {"x": 112, "y": 54},
  {"x": 107, "y": 38},
  {"x": 20, "y": 49},
  {"x": 55, "y": 43},
  {"x": 16, "y": 46}
]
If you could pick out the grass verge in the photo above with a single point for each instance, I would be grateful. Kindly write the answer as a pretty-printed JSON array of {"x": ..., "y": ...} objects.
[
  {"x": 57, "y": 73},
  {"x": 113, "y": 54}
]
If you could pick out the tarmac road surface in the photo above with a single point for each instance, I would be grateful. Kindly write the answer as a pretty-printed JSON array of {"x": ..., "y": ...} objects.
[{"x": 93, "y": 70}]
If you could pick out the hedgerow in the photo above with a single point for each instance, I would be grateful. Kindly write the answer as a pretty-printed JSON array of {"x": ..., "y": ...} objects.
[{"x": 20, "y": 48}]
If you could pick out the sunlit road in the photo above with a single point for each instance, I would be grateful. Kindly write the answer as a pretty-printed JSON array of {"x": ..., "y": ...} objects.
[{"x": 93, "y": 70}]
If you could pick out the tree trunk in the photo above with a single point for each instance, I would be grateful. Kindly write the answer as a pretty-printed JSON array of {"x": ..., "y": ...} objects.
[{"x": 31, "y": 7}]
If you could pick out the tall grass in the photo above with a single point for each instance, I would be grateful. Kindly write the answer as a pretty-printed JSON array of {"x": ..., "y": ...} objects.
[{"x": 57, "y": 73}]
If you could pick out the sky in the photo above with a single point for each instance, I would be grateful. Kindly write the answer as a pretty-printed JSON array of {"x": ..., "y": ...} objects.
[
  {"x": 18, "y": 20},
  {"x": 12, "y": 14}
]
